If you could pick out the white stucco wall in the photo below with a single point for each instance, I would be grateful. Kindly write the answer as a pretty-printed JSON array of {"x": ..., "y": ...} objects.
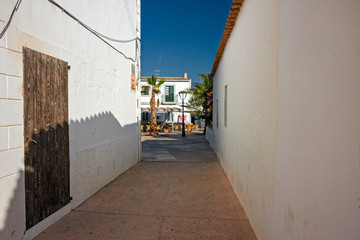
[
  {"x": 318, "y": 165},
  {"x": 104, "y": 132},
  {"x": 246, "y": 147},
  {"x": 291, "y": 148}
]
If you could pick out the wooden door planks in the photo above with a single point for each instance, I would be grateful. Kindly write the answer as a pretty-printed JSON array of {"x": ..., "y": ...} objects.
[{"x": 46, "y": 135}]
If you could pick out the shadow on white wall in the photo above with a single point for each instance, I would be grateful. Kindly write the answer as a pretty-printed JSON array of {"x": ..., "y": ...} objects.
[{"x": 100, "y": 150}]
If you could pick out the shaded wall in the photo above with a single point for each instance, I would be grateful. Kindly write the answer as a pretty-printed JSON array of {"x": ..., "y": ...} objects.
[{"x": 102, "y": 148}]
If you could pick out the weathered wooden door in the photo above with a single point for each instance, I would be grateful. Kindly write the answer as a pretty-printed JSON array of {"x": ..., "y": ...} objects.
[{"x": 46, "y": 135}]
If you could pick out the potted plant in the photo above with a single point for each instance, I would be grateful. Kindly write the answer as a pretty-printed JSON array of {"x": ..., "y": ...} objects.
[{"x": 166, "y": 128}]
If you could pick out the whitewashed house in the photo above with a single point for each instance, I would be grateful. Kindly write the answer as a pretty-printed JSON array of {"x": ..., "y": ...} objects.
[
  {"x": 168, "y": 101},
  {"x": 286, "y": 120},
  {"x": 69, "y": 106}
]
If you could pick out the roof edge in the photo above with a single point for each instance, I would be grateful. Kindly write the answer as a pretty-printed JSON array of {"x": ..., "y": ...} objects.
[{"x": 234, "y": 12}]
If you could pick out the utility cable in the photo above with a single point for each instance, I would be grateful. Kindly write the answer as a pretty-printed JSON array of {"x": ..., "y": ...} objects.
[
  {"x": 100, "y": 36},
  {"x": 17, "y": 5}
]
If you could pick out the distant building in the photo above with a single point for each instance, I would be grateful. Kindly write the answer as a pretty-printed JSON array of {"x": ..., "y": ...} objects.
[{"x": 168, "y": 102}]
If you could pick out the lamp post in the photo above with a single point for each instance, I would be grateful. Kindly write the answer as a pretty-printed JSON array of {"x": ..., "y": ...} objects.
[{"x": 182, "y": 95}]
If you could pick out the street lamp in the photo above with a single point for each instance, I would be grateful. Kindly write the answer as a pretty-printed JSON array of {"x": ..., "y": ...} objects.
[{"x": 182, "y": 95}]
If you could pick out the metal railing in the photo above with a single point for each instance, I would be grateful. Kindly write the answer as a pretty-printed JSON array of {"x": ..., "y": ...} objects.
[{"x": 163, "y": 100}]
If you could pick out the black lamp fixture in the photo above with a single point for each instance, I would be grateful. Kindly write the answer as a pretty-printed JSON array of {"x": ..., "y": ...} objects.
[{"x": 182, "y": 95}]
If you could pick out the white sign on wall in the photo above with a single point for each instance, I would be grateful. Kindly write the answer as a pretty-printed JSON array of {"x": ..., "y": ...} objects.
[{"x": 177, "y": 116}]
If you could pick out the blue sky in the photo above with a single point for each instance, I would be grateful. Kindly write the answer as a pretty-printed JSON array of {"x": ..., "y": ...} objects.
[{"x": 186, "y": 33}]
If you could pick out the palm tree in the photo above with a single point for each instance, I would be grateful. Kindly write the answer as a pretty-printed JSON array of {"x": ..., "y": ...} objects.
[{"x": 155, "y": 89}]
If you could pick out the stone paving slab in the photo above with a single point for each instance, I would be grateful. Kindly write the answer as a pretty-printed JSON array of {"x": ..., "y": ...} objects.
[
  {"x": 102, "y": 226},
  {"x": 209, "y": 229},
  {"x": 174, "y": 147},
  {"x": 160, "y": 200}
]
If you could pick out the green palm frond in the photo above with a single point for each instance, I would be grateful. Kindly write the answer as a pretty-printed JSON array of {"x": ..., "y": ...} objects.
[
  {"x": 154, "y": 84},
  {"x": 160, "y": 83},
  {"x": 152, "y": 81}
]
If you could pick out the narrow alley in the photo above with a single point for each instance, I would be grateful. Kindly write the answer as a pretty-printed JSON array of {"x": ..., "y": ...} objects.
[
  {"x": 178, "y": 191},
  {"x": 96, "y": 98}
]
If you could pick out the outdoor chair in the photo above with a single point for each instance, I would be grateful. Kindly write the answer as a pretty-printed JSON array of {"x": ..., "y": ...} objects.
[{"x": 194, "y": 127}]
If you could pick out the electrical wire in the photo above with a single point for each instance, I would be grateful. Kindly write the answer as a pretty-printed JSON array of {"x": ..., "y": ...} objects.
[
  {"x": 17, "y": 5},
  {"x": 99, "y": 35},
  {"x": 129, "y": 16},
  {"x": 116, "y": 40}
]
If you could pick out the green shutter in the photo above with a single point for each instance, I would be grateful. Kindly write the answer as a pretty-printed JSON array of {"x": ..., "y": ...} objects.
[
  {"x": 169, "y": 93},
  {"x": 144, "y": 91}
]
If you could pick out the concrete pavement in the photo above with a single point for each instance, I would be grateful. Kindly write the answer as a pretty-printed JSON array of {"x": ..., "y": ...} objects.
[
  {"x": 179, "y": 191},
  {"x": 174, "y": 147}
]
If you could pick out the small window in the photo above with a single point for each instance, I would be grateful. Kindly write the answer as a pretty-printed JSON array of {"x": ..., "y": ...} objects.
[
  {"x": 145, "y": 116},
  {"x": 225, "y": 106},
  {"x": 217, "y": 113},
  {"x": 145, "y": 90}
]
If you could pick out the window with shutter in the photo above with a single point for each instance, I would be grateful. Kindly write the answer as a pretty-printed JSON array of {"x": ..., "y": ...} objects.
[
  {"x": 169, "y": 93},
  {"x": 145, "y": 90}
]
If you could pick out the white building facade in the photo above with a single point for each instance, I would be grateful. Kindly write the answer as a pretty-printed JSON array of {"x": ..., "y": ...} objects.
[
  {"x": 169, "y": 108},
  {"x": 99, "y": 103},
  {"x": 286, "y": 120}
]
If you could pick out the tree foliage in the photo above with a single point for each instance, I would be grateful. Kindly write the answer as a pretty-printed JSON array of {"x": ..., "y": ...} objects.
[{"x": 202, "y": 99}]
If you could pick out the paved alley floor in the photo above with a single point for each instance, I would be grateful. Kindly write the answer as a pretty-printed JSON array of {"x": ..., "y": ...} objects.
[
  {"x": 178, "y": 191},
  {"x": 174, "y": 147}
]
